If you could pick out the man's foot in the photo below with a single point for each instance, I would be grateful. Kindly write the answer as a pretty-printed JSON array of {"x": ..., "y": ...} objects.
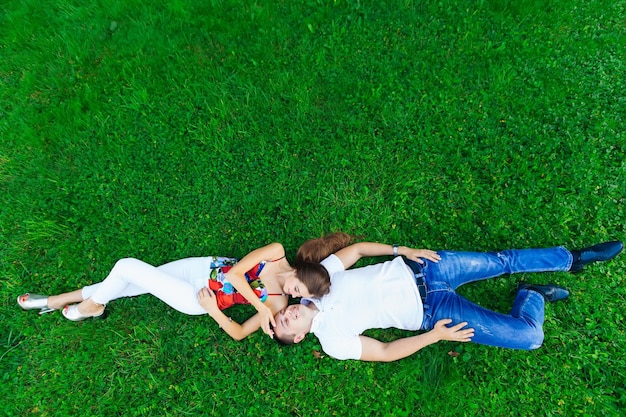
[
  {"x": 600, "y": 252},
  {"x": 550, "y": 292}
]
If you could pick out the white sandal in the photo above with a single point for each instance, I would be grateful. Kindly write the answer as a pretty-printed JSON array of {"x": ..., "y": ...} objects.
[
  {"x": 71, "y": 313},
  {"x": 35, "y": 302}
]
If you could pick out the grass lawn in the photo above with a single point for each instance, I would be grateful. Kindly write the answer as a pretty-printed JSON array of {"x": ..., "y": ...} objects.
[{"x": 163, "y": 130}]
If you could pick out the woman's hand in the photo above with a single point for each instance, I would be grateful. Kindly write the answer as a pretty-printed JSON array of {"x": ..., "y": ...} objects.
[
  {"x": 267, "y": 317},
  {"x": 208, "y": 300},
  {"x": 455, "y": 333},
  {"x": 417, "y": 254}
]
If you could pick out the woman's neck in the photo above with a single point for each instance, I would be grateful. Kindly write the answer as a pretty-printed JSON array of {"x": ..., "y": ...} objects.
[{"x": 276, "y": 282}]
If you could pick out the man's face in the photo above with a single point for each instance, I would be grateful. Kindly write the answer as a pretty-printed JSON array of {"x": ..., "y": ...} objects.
[{"x": 293, "y": 322}]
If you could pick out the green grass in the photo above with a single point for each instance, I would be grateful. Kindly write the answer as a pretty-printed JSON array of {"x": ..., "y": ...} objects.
[{"x": 162, "y": 130}]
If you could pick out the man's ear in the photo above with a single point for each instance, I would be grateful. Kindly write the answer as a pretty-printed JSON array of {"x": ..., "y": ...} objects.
[{"x": 299, "y": 337}]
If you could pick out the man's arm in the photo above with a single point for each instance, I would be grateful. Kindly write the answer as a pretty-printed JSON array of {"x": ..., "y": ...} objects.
[
  {"x": 351, "y": 254},
  {"x": 377, "y": 351}
]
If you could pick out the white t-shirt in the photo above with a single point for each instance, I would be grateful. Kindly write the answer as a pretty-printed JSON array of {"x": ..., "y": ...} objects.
[{"x": 373, "y": 297}]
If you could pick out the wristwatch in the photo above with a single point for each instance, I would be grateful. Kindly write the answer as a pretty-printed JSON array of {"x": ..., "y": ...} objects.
[{"x": 395, "y": 250}]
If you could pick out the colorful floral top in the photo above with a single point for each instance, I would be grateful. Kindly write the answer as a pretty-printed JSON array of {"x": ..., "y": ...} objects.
[{"x": 226, "y": 294}]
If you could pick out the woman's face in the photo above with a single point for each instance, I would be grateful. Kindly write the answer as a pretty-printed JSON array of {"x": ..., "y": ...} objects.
[{"x": 295, "y": 288}]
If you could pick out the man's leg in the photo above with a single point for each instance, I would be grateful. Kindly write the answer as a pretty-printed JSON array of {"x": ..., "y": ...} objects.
[
  {"x": 458, "y": 268},
  {"x": 521, "y": 329}
]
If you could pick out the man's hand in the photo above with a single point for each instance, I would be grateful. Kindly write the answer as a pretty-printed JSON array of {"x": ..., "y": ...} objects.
[
  {"x": 455, "y": 333},
  {"x": 417, "y": 254},
  {"x": 375, "y": 350}
]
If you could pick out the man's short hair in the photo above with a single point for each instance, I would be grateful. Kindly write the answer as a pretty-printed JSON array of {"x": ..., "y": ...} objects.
[{"x": 284, "y": 340}]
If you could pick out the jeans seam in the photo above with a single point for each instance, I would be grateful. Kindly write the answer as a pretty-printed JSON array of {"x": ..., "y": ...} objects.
[{"x": 571, "y": 257}]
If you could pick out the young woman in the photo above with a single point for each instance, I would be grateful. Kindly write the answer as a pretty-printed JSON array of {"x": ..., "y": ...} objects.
[{"x": 194, "y": 286}]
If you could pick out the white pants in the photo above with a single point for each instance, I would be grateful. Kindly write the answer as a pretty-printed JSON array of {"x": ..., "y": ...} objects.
[{"x": 176, "y": 283}]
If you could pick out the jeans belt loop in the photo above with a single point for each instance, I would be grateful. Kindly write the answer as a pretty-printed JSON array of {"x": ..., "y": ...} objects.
[{"x": 421, "y": 286}]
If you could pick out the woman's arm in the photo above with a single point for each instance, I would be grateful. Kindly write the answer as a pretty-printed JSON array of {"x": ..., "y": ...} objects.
[
  {"x": 236, "y": 276},
  {"x": 208, "y": 301},
  {"x": 351, "y": 254}
]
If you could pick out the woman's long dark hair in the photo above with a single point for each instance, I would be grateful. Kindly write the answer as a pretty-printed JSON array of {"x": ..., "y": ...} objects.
[
  {"x": 316, "y": 250},
  {"x": 314, "y": 276},
  {"x": 309, "y": 271}
]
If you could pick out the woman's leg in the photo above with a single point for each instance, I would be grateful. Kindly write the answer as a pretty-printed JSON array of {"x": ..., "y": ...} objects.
[
  {"x": 521, "y": 329},
  {"x": 189, "y": 269},
  {"x": 458, "y": 268},
  {"x": 61, "y": 300},
  {"x": 176, "y": 283}
]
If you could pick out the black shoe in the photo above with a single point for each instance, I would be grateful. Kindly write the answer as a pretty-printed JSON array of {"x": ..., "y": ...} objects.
[
  {"x": 550, "y": 292},
  {"x": 600, "y": 252}
]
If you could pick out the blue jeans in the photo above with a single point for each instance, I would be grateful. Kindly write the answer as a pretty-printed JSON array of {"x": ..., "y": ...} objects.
[{"x": 522, "y": 328}]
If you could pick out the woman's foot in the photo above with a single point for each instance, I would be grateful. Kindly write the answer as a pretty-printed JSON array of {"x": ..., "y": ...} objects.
[
  {"x": 84, "y": 310},
  {"x": 35, "y": 302}
]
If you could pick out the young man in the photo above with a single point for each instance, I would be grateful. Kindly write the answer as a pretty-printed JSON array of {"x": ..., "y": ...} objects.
[{"x": 412, "y": 293}]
